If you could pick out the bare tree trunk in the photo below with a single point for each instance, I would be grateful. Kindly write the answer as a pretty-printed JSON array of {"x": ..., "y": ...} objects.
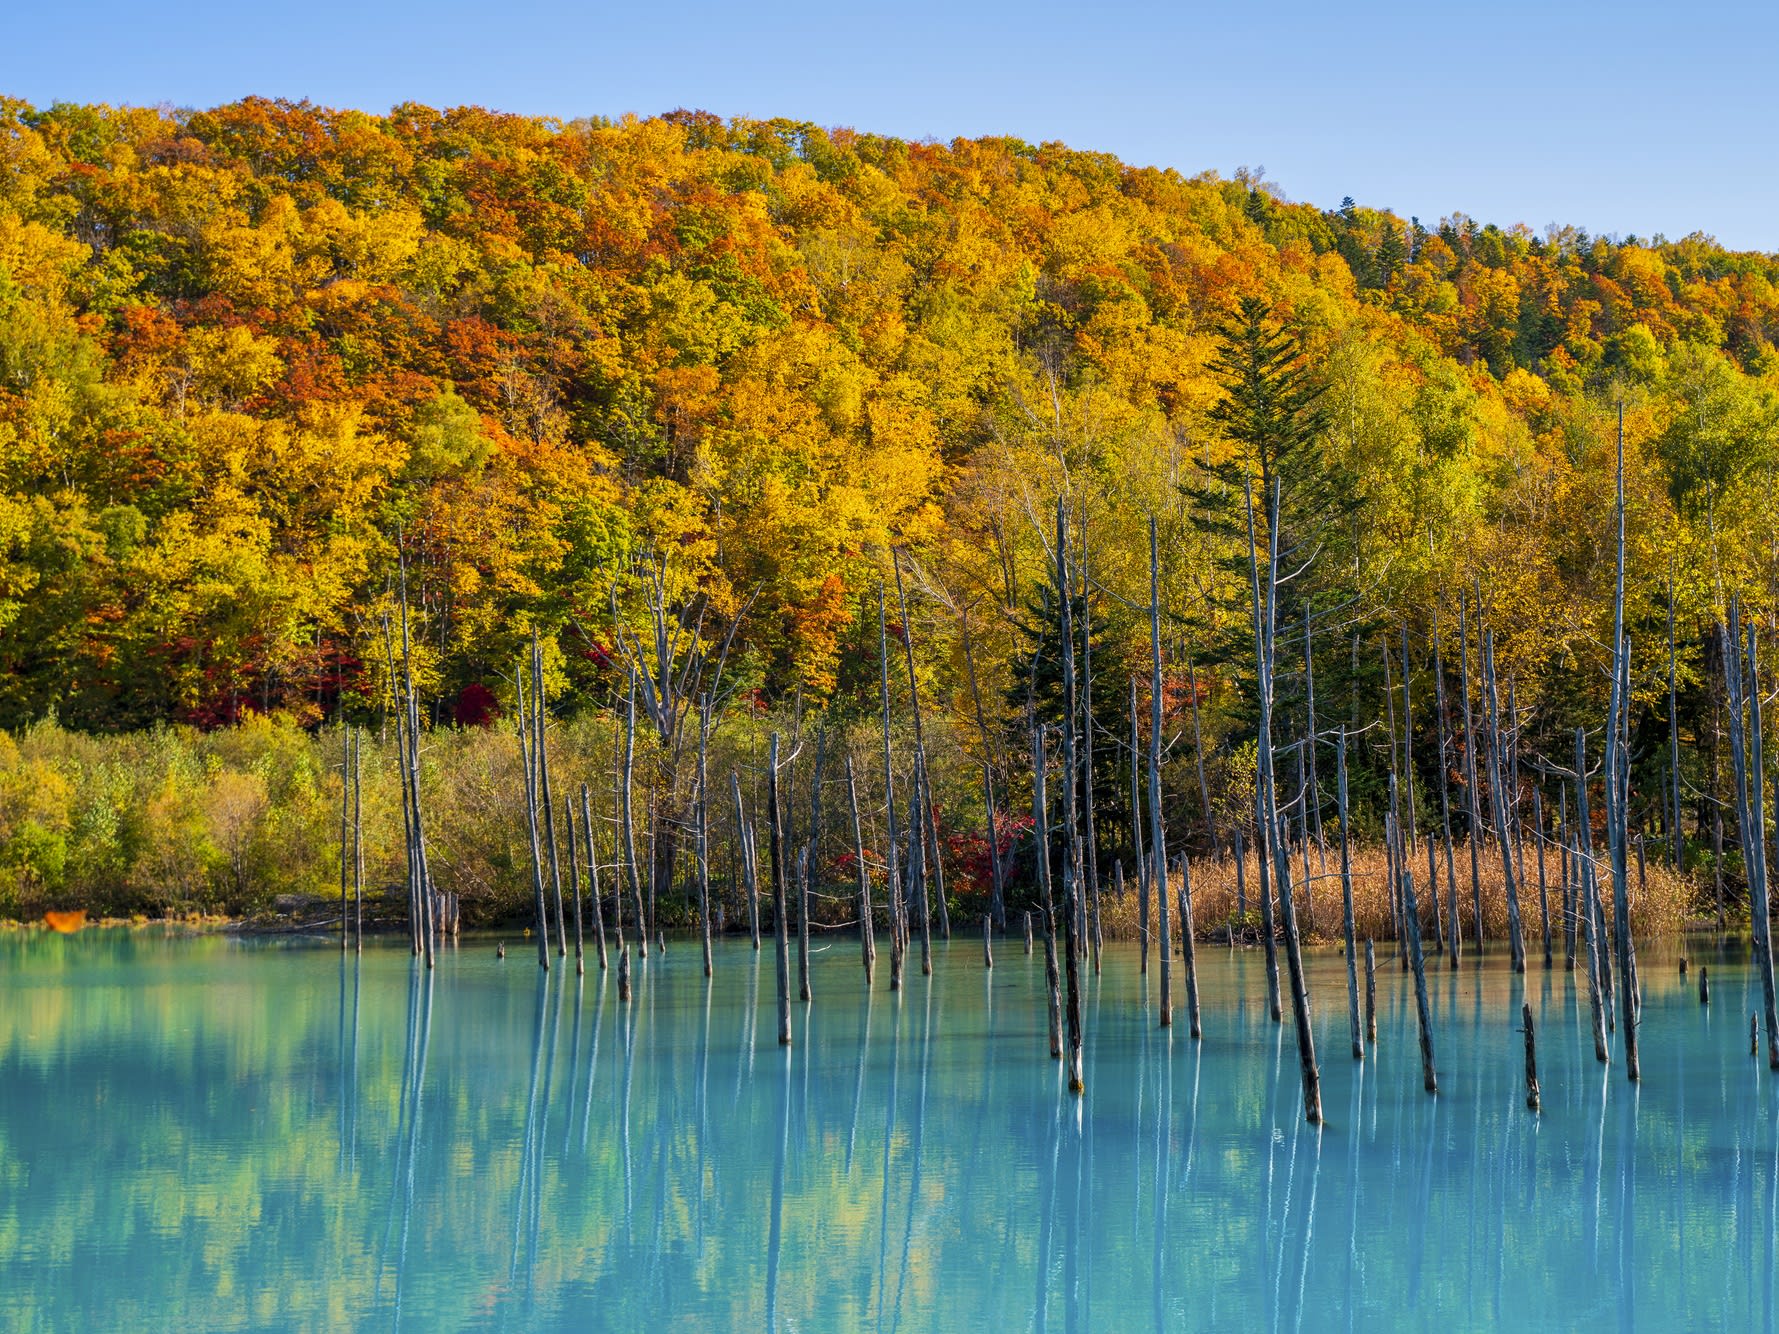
[
  {"x": 1408, "y": 771},
  {"x": 1346, "y": 894},
  {"x": 1370, "y": 993},
  {"x": 1041, "y": 848},
  {"x": 345, "y": 829},
  {"x": 632, "y": 875},
  {"x": 1498, "y": 798},
  {"x": 749, "y": 860},
  {"x": 917, "y": 863},
  {"x": 1750, "y": 777},
  {"x": 1071, "y": 819},
  {"x": 1584, "y": 858},
  {"x": 1543, "y": 889},
  {"x": 1475, "y": 819},
  {"x": 1429, "y": 1076},
  {"x": 574, "y": 885},
  {"x": 1281, "y": 862},
  {"x": 1532, "y": 1098},
  {"x": 540, "y": 719},
  {"x": 417, "y": 827},
  {"x": 867, "y": 936},
  {"x": 358, "y": 838},
  {"x": 1198, "y": 752},
  {"x": 703, "y": 830},
  {"x": 1618, "y": 785},
  {"x": 1570, "y": 870},
  {"x": 1157, "y": 836},
  {"x": 1314, "y": 812},
  {"x": 804, "y": 876},
  {"x": 1091, "y": 853},
  {"x": 1136, "y": 835},
  {"x": 780, "y": 900},
  {"x": 593, "y": 874},
  {"x": 1071, "y": 956},
  {"x": 892, "y": 873},
  {"x": 927, "y": 826},
  {"x": 1188, "y": 947},
  {"x": 537, "y": 854},
  {"x": 997, "y": 900},
  {"x": 1455, "y": 936},
  {"x": 1676, "y": 839}
]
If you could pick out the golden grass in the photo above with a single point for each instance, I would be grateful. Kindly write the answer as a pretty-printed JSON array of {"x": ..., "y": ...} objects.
[{"x": 1660, "y": 899}]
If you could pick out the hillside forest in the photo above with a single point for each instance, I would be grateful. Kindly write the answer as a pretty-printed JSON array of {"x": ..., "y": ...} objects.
[{"x": 695, "y": 398}]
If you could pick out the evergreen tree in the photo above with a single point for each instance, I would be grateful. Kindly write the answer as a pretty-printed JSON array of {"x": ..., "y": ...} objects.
[{"x": 1272, "y": 412}]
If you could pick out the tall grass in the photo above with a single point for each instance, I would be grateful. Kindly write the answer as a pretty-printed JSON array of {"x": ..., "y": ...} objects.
[{"x": 1661, "y": 901}]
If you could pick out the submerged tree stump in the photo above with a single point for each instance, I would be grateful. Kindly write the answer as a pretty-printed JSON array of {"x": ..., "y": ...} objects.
[
  {"x": 1532, "y": 1101},
  {"x": 1370, "y": 992}
]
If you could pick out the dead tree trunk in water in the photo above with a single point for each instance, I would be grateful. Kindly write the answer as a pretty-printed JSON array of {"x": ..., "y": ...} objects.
[
  {"x": 867, "y": 936},
  {"x": 1370, "y": 992},
  {"x": 1314, "y": 812},
  {"x": 703, "y": 829},
  {"x": 1570, "y": 869},
  {"x": 358, "y": 840},
  {"x": 804, "y": 876},
  {"x": 1747, "y": 761},
  {"x": 1091, "y": 852},
  {"x": 1532, "y": 1099},
  {"x": 1676, "y": 839},
  {"x": 892, "y": 873},
  {"x": 780, "y": 899},
  {"x": 1455, "y": 935},
  {"x": 1471, "y": 812},
  {"x": 1041, "y": 841},
  {"x": 593, "y": 874},
  {"x": 1136, "y": 835},
  {"x": 421, "y": 869},
  {"x": 928, "y": 827},
  {"x": 541, "y": 750},
  {"x": 1498, "y": 800},
  {"x": 1187, "y": 946},
  {"x": 629, "y": 820},
  {"x": 1157, "y": 836},
  {"x": 1584, "y": 858},
  {"x": 537, "y": 855},
  {"x": 1543, "y": 888},
  {"x": 750, "y": 862},
  {"x": 997, "y": 881},
  {"x": 1346, "y": 895},
  {"x": 574, "y": 886},
  {"x": 345, "y": 830},
  {"x": 1429, "y": 1077},
  {"x": 917, "y": 870},
  {"x": 1264, "y": 626},
  {"x": 1618, "y": 777},
  {"x": 1071, "y": 820}
]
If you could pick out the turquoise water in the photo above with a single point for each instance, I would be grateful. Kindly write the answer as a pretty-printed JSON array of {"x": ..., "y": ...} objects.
[{"x": 221, "y": 1133}]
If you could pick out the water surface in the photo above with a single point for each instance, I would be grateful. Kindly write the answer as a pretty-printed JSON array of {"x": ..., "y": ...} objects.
[{"x": 224, "y": 1133}]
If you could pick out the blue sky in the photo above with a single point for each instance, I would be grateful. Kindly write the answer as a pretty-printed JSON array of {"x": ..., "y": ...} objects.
[{"x": 1626, "y": 118}]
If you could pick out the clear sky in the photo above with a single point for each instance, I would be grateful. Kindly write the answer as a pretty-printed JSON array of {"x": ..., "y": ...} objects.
[{"x": 1621, "y": 118}]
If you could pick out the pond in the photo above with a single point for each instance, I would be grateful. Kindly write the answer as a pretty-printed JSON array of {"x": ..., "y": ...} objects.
[{"x": 225, "y": 1132}]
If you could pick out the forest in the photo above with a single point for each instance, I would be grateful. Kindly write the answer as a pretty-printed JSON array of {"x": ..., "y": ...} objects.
[{"x": 786, "y": 423}]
